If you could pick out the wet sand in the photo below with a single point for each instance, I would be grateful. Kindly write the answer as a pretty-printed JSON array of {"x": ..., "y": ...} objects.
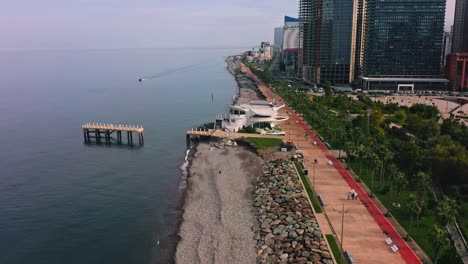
[{"x": 218, "y": 211}]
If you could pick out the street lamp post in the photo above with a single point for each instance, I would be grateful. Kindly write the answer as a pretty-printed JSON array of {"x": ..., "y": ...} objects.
[
  {"x": 313, "y": 180},
  {"x": 342, "y": 230}
]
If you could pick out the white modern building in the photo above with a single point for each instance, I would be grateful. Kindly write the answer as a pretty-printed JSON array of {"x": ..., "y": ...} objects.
[
  {"x": 256, "y": 114},
  {"x": 266, "y": 51}
]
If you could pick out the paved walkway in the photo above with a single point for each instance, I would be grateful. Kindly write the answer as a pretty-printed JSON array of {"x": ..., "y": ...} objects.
[{"x": 365, "y": 227}]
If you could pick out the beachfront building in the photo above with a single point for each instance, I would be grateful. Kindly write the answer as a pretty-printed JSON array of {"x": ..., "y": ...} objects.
[
  {"x": 256, "y": 114},
  {"x": 325, "y": 33},
  {"x": 399, "y": 44}
]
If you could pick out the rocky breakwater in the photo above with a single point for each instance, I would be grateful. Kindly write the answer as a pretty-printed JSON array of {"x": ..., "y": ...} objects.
[{"x": 286, "y": 229}]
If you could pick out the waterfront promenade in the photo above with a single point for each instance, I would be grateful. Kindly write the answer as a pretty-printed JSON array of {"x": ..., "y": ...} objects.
[{"x": 365, "y": 227}]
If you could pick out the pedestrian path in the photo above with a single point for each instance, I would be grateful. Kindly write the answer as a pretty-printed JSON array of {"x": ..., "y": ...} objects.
[{"x": 366, "y": 228}]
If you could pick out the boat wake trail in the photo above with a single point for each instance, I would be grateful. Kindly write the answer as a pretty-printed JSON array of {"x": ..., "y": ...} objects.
[{"x": 168, "y": 72}]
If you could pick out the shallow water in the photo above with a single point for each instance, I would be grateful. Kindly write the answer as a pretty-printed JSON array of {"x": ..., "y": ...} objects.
[{"x": 63, "y": 201}]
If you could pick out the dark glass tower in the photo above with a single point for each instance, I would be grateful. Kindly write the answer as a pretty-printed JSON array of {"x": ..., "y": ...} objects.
[
  {"x": 325, "y": 32},
  {"x": 402, "y": 38},
  {"x": 460, "y": 27}
]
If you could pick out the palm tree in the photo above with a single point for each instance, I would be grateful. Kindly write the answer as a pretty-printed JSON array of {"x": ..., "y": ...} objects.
[
  {"x": 351, "y": 146},
  {"x": 375, "y": 163},
  {"x": 415, "y": 210},
  {"x": 393, "y": 172},
  {"x": 447, "y": 210},
  {"x": 440, "y": 241},
  {"x": 350, "y": 149},
  {"x": 362, "y": 151},
  {"x": 400, "y": 181},
  {"x": 385, "y": 154},
  {"x": 423, "y": 185}
]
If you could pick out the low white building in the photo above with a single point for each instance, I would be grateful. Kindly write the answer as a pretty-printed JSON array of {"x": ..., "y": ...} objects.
[{"x": 256, "y": 114}]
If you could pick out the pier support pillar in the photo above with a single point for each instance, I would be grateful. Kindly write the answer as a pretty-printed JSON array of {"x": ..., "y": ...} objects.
[
  {"x": 84, "y": 135},
  {"x": 187, "y": 138},
  {"x": 119, "y": 137},
  {"x": 140, "y": 138}
]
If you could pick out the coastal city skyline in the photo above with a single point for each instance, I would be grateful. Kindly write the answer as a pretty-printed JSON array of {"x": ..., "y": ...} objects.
[
  {"x": 212, "y": 132},
  {"x": 104, "y": 24}
]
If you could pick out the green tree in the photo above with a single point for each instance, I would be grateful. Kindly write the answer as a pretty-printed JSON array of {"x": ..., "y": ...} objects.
[
  {"x": 447, "y": 210},
  {"x": 385, "y": 154},
  {"x": 425, "y": 111},
  {"x": 377, "y": 119},
  {"x": 354, "y": 139},
  {"x": 375, "y": 164},
  {"x": 423, "y": 186},
  {"x": 409, "y": 156},
  {"x": 394, "y": 174},
  {"x": 440, "y": 241},
  {"x": 421, "y": 127},
  {"x": 448, "y": 155},
  {"x": 415, "y": 210},
  {"x": 401, "y": 115},
  {"x": 328, "y": 90},
  {"x": 400, "y": 181},
  {"x": 362, "y": 153}
]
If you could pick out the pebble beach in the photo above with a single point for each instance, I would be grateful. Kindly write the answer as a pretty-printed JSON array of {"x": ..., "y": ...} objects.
[{"x": 240, "y": 208}]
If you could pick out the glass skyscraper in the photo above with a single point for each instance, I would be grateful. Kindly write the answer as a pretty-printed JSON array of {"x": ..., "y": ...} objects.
[
  {"x": 403, "y": 37},
  {"x": 326, "y": 33},
  {"x": 460, "y": 27}
]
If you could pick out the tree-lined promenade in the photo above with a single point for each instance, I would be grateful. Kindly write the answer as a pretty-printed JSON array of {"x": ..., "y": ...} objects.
[{"x": 407, "y": 169}]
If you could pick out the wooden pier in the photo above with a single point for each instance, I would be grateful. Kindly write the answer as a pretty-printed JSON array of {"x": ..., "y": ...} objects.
[{"x": 104, "y": 131}]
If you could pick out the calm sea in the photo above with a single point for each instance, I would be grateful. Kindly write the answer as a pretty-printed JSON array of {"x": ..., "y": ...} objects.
[{"x": 63, "y": 201}]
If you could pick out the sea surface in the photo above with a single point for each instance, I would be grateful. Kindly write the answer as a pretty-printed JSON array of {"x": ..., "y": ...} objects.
[{"x": 64, "y": 201}]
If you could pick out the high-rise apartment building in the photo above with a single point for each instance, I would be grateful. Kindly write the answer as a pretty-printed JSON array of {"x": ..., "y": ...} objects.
[
  {"x": 460, "y": 27},
  {"x": 278, "y": 38},
  {"x": 325, "y": 38},
  {"x": 399, "y": 43},
  {"x": 446, "y": 46}
]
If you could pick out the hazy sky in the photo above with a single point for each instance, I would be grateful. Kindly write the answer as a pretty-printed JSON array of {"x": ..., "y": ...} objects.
[{"x": 82, "y": 24}]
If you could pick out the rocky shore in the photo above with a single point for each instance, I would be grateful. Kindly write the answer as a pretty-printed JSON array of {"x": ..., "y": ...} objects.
[
  {"x": 286, "y": 230},
  {"x": 248, "y": 88}
]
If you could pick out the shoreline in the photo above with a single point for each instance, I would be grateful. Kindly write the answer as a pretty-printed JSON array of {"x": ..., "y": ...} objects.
[
  {"x": 192, "y": 187},
  {"x": 218, "y": 206},
  {"x": 184, "y": 188}
]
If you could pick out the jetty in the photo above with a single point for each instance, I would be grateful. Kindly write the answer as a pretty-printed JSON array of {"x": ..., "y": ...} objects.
[{"x": 98, "y": 131}]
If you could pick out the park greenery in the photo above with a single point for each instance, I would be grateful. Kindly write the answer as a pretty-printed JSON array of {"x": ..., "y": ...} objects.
[
  {"x": 313, "y": 198},
  {"x": 335, "y": 249},
  {"x": 262, "y": 143},
  {"x": 412, "y": 161}
]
